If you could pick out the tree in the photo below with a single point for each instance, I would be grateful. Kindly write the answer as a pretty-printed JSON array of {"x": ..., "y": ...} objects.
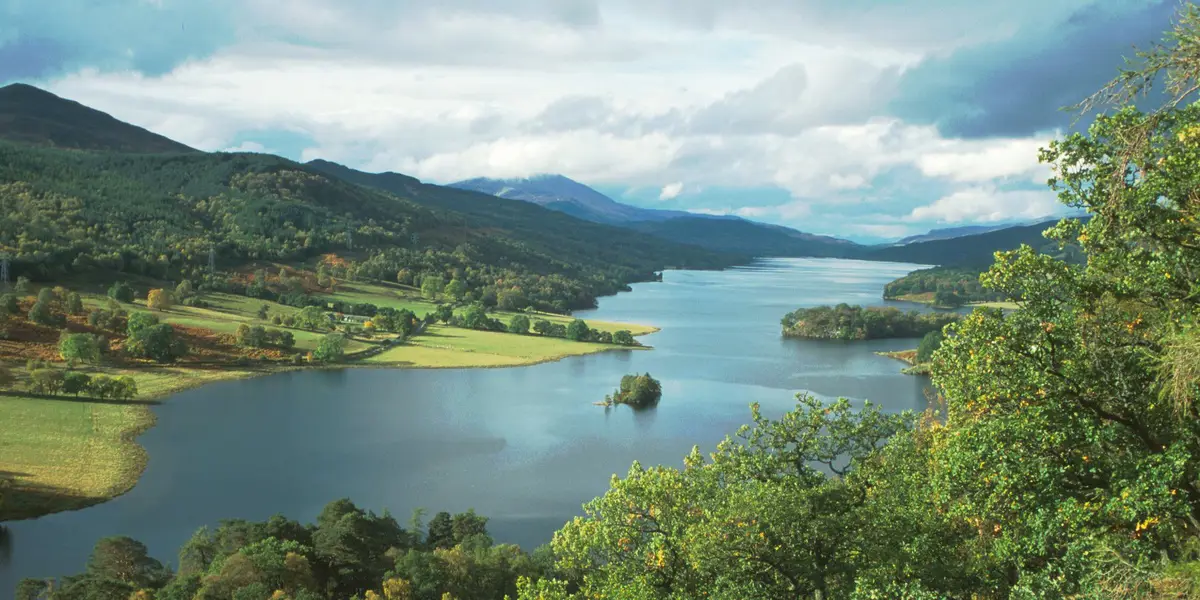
[
  {"x": 638, "y": 391},
  {"x": 121, "y": 292},
  {"x": 578, "y": 331},
  {"x": 456, "y": 289},
  {"x": 156, "y": 342},
  {"x": 441, "y": 531},
  {"x": 139, "y": 321},
  {"x": 23, "y": 286},
  {"x": 312, "y": 318},
  {"x": 125, "y": 388},
  {"x": 82, "y": 347},
  {"x": 8, "y": 304},
  {"x": 511, "y": 300},
  {"x": 46, "y": 381},
  {"x": 444, "y": 313},
  {"x": 624, "y": 338},
  {"x": 74, "y": 303},
  {"x": 251, "y": 336},
  {"x": 542, "y": 327},
  {"x": 432, "y": 286},
  {"x": 331, "y": 348},
  {"x": 76, "y": 383},
  {"x": 159, "y": 299},
  {"x": 126, "y": 560},
  {"x": 931, "y": 342},
  {"x": 475, "y": 317},
  {"x": 43, "y": 313},
  {"x": 263, "y": 311},
  {"x": 184, "y": 291},
  {"x": 519, "y": 324}
]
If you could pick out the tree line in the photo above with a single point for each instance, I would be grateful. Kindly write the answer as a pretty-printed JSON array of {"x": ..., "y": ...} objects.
[{"x": 846, "y": 322}]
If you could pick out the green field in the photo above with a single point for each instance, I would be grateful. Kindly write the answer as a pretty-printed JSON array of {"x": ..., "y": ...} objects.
[
  {"x": 442, "y": 347},
  {"x": 63, "y": 454}
]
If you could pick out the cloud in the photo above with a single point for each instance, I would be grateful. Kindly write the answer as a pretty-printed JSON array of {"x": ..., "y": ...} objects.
[
  {"x": 1013, "y": 86},
  {"x": 247, "y": 147},
  {"x": 986, "y": 204},
  {"x": 671, "y": 191},
  {"x": 852, "y": 116},
  {"x": 980, "y": 161}
]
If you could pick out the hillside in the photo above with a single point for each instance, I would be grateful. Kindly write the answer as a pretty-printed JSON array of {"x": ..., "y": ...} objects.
[
  {"x": 35, "y": 116},
  {"x": 972, "y": 250},
  {"x": 566, "y": 195},
  {"x": 64, "y": 213},
  {"x": 747, "y": 237},
  {"x": 947, "y": 233}
]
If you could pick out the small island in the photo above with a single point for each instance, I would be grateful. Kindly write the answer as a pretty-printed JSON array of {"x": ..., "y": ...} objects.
[
  {"x": 845, "y": 322},
  {"x": 638, "y": 391}
]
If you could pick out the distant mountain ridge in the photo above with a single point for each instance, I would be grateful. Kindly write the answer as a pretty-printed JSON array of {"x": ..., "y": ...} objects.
[
  {"x": 715, "y": 232},
  {"x": 32, "y": 115},
  {"x": 955, "y": 232},
  {"x": 564, "y": 194}
]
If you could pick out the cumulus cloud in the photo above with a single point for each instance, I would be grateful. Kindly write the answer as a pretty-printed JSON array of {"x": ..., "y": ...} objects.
[
  {"x": 836, "y": 108},
  {"x": 986, "y": 204},
  {"x": 671, "y": 191}
]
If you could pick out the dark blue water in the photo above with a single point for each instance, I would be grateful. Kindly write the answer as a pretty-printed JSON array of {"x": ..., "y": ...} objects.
[{"x": 524, "y": 446}]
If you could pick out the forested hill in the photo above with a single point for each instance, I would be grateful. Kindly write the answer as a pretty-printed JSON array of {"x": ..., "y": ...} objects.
[
  {"x": 64, "y": 212},
  {"x": 974, "y": 250},
  {"x": 35, "y": 116},
  {"x": 747, "y": 237}
]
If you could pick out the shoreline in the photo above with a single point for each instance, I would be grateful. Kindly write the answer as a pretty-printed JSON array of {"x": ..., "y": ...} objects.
[{"x": 134, "y": 457}]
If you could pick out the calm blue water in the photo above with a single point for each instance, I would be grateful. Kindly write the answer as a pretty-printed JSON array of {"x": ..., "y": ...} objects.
[{"x": 524, "y": 446}]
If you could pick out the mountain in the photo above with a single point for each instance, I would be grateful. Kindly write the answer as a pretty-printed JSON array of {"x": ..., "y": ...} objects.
[
  {"x": 747, "y": 237},
  {"x": 563, "y": 194},
  {"x": 720, "y": 233},
  {"x": 970, "y": 250},
  {"x": 34, "y": 116},
  {"x": 953, "y": 232},
  {"x": 65, "y": 213}
]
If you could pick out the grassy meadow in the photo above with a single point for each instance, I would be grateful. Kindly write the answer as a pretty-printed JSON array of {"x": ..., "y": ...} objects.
[{"x": 62, "y": 453}]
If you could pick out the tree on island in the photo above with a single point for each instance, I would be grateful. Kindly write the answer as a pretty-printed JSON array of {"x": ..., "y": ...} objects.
[{"x": 638, "y": 391}]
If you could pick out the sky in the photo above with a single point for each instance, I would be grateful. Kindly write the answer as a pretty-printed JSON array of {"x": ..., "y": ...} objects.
[{"x": 865, "y": 119}]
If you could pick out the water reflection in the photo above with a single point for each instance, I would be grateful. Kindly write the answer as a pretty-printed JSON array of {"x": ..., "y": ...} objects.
[{"x": 524, "y": 446}]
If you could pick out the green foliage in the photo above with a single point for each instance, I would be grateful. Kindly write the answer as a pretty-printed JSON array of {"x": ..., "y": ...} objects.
[
  {"x": 930, "y": 343},
  {"x": 456, "y": 289},
  {"x": 624, "y": 338},
  {"x": 758, "y": 520},
  {"x": 962, "y": 282},
  {"x": 845, "y": 322},
  {"x": 23, "y": 286},
  {"x": 139, "y": 321},
  {"x": 82, "y": 347},
  {"x": 121, "y": 292},
  {"x": 76, "y": 383},
  {"x": 46, "y": 381},
  {"x": 155, "y": 342},
  {"x": 638, "y": 391},
  {"x": 577, "y": 331},
  {"x": 74, "y": 303},
  {"x": 107, "y": 320},
  {"x": 518, "y": 324},
  {"x": 432, "y": 286},
  {"x": 8, "y": 304},
  {"x": 312, "y": 318},
  {"x": 331, "y": 348},
  {"x": 43, "y": 313}
]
